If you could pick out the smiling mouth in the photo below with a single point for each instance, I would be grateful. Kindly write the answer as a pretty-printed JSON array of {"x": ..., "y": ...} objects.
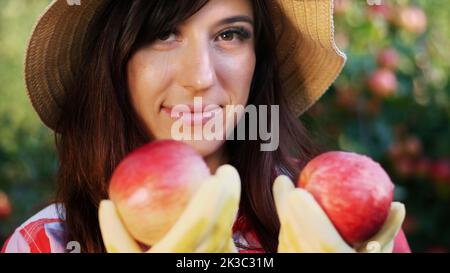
[{"x": 191, "y": 115}]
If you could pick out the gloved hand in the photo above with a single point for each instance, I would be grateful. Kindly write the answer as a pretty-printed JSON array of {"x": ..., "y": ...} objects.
[
  {"x": 205, "y": 225},
  {"x": 305, "y": 227}
]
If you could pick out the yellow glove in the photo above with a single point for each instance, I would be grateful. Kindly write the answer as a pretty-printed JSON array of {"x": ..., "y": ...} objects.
[
  {"x": 305, "y": 227},
  {"x": 205, "y": 225}
]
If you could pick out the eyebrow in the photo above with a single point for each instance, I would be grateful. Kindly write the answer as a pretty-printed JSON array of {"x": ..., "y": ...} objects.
[{"x": 234, "y": 19}]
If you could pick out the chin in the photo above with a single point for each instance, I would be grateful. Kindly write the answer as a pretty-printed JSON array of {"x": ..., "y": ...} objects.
[{"x": 205, "y": 147}]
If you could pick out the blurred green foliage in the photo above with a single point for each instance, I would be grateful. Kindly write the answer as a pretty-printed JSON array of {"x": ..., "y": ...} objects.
[
  {"x": 402, "y": 120},
  {"x": 27, "y": 156}
]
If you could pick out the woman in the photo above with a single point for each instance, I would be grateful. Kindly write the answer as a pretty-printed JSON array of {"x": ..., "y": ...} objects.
[{"x": 105, "y": 74}]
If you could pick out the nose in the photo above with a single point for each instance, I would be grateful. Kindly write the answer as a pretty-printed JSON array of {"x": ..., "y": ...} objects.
[{"x": 197, "y": 70}]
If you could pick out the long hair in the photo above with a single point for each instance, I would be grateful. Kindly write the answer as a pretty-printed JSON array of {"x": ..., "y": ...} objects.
[{"x": 98, "y": 126}]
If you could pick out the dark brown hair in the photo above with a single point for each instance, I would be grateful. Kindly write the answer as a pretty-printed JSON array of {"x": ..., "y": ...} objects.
[{"x": 99, "y": 127}]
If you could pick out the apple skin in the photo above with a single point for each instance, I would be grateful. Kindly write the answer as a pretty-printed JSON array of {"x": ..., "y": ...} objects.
[
  {"x": 440, "y": 170},
  {"x": 388, "y": 58},
  {"x": 383, "y": 82},
  {"x": 152, "y": 186},
  {"x": 353, "y": 190},
  {"x": 412, "y": 19}
]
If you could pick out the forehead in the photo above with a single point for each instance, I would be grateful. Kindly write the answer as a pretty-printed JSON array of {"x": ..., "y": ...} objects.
[{"x": 218, "y": 9}]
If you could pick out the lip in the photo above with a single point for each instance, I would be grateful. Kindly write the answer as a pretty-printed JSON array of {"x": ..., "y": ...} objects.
[{"x": 196, "y": 116}]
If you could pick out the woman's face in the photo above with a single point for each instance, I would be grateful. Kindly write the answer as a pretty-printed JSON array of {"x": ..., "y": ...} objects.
[{"x": 210, "y": 55}]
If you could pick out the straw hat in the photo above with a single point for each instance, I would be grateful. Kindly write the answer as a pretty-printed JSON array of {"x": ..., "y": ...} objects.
[{"x": 307, "y": 53}]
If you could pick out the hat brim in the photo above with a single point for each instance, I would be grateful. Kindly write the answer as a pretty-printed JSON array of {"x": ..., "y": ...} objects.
[{"x": 309, "y": 59}]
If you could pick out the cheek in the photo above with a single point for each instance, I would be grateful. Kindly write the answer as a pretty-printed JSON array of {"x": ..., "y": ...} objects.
[
  {"x": 146, "y": 84},
  {"x": 238, "y": 75},
  {"x": 141, "y": 81}
]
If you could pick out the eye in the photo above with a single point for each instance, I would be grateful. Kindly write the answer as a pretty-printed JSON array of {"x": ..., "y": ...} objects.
[
  {"x": 230, "y": 34},
  {"x": 164, "y": 36}
]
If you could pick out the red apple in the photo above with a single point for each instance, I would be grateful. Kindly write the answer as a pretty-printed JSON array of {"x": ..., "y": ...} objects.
[
  {"x": 388, "y": 58},
  {"x": 383, "y": 82},
  {"x": 396, "y": 151},
  {"x": 374, "y": 106},
  {"x": 440, "y": 170},
  {"x": 353, "y": 190},
  {"x": 346, "y": 98},
  {"x": 404, "y": 166},
  {"x": 412, "y": 19},
  {"x": 423, "y": 166},
  {"x": 152, "y": 186},
  {"x": 384, "y": 10},
  {"x": 413, "y": 146},
  {"x": 5, "y": 206}
]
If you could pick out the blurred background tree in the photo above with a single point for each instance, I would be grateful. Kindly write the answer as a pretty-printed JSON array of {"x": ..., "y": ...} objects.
[
  {"x": 27, "y": 156},
  {"x": 392, "y": 102}
]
